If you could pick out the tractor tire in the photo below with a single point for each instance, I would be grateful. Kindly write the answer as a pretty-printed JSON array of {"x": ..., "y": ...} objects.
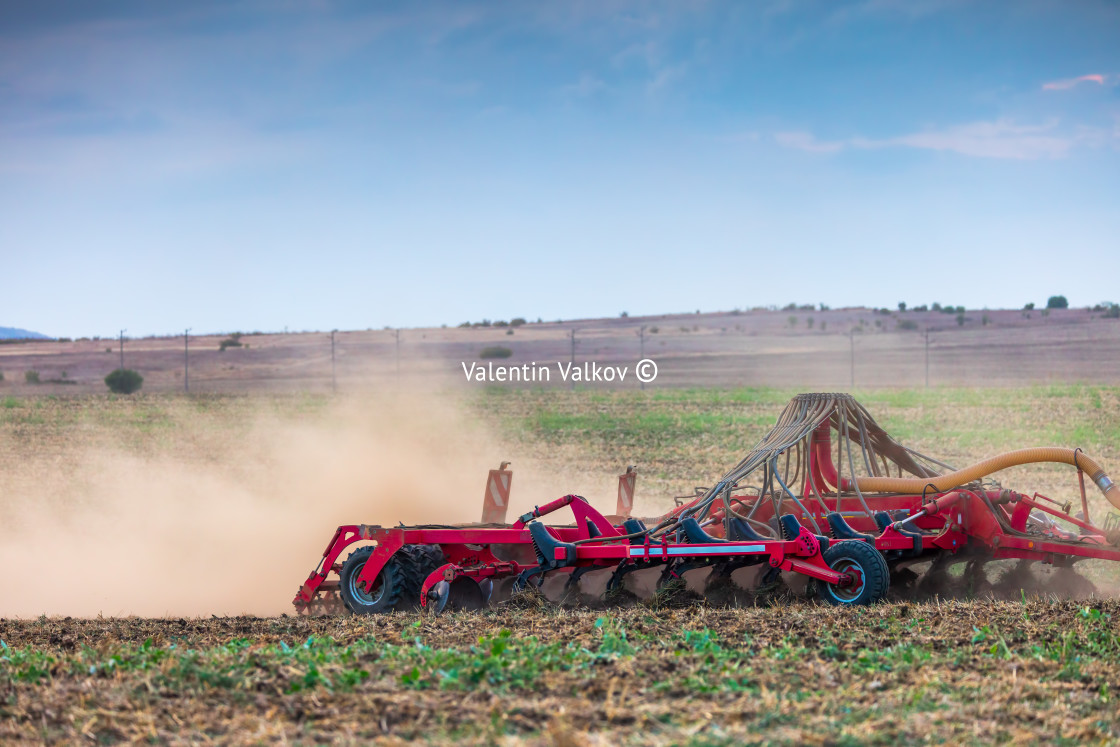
[
  {"x": 852, "y": 555},
  {"x": 387, "y": 588},
  {"x": 415, "y": 563}
]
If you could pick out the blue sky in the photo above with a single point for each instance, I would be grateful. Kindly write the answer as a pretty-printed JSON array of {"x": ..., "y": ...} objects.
[{"x": 262, "y": 165}]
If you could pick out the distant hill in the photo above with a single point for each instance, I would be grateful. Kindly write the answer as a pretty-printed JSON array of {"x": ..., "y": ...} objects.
[{"x": 11, "y": 333}]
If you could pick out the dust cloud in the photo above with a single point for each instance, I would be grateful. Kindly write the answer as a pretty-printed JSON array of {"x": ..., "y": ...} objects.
[{"x": 214, "y": 522}]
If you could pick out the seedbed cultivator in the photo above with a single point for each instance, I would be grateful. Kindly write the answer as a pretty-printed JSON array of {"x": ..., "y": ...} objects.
[{"x": 826, "y": 495}]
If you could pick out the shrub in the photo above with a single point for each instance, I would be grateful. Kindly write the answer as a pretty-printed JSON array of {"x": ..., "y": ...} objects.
[
  {"x": 108, "y": 350},
  {"x": 233, "y": 341},
  {"x": 517, "y": 321},
  {"x": 124, "y": 381},
  {"x": 1, "y": 375},
  {"x": 654, "y": 330},
  {"x": 624, "y": 314},
  {"x": 1029, "y": 306},
  {"x": 1057, "y": 302},
  {"x": 902, "y": 306},
  {"x": 908, "y": 324},
  {"x": 496, "y": 351},
  {"x": 31, "y": 377},
  {"x": 985, "y": 320},
  {"x": 1112, "y": 313},
  {"x": 960, "y": 320}
]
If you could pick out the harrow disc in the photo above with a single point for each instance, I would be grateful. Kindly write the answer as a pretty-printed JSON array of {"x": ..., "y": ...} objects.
[{"x": 461, "y": 594}]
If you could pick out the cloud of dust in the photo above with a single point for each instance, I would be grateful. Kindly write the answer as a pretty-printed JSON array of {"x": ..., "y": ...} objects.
[{"x": 231, "y": 523}]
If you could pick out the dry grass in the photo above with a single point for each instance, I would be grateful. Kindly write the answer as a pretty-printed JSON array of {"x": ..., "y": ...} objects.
[{"x": 1032, "y": 670}]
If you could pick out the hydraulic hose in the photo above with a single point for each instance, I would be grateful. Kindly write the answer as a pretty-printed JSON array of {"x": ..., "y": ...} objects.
[{"x": 943, "y": 483}]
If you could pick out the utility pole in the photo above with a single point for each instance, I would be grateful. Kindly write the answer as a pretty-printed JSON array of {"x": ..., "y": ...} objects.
[
  {"x": 927, "y": 357},
  {"x": 334, "y": 379},
  {"x": 122, "y": 347},
  {"x": 398, "y": 333},
  {"x": 642, "y": 355},
  {"x": 186, "y": 360},
  {"x": 573, "y": 363},
  {"x": 852, "y": 339}
]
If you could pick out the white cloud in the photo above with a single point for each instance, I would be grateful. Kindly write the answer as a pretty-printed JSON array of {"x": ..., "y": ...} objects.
[
  {"x": 806, "y": 142},
  {"x": 588, "y": 85},
  {"x": 1001, "y": 138},
  {"x": 1068, "y": 83}
]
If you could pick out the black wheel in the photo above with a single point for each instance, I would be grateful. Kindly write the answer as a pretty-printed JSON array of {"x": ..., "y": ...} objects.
[
  {"x": 414, "y": 564},
  {"x": 865, "y": 564},
  {"x": 384, "y": 592},
  {"x": 398, "y": 584}
]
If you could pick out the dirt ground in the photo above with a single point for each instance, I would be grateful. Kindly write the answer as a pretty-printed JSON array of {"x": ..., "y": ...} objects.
[
  {"x": 178, "y": 509},
  {"x": 1034, "y": 671},
  {"x": 809, "y": 350}
]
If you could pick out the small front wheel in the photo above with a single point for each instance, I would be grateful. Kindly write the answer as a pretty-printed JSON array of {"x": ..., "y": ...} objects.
[{"x": 867, "y": 569}]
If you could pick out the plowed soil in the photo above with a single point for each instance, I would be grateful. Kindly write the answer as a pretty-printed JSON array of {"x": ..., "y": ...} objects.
[{"x": 1038, "y": 670}]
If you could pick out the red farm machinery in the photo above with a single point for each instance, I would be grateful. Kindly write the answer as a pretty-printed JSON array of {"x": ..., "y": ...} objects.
[{"x": 826, "y": 494}]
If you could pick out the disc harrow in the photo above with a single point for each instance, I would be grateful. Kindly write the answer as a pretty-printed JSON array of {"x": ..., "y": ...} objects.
[{"x": 826, "y": 495}]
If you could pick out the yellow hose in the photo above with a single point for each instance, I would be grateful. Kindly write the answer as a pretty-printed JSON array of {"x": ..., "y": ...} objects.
[{"x": 946, "y": 482}]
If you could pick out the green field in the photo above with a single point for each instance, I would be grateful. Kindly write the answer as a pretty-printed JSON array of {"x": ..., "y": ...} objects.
[{"x": 1032, "y": 669}]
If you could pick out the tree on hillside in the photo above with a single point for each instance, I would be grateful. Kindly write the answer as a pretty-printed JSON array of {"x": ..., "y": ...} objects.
[{"x": 1057, "y": 302}]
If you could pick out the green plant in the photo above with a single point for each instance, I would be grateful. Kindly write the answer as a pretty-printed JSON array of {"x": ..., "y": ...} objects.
[
  {"x": 495, "y": 351},
  {"x": 124, "y": 381},
  {"x": 1057, "y": 302},
  {"x": 517, "y": 321},
  {"x": 233, "y": 341},
  {"x": 907, "y": 324},
  {"x": 960, "y": 320},
  {"x": 31, "y": 377}
]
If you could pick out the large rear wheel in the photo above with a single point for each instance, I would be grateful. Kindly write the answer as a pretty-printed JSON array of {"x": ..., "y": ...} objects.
[
  {"x": 382, "y": 594},
  {"x": 398, "y": 584},
  {"x": 867, "y": 569}
]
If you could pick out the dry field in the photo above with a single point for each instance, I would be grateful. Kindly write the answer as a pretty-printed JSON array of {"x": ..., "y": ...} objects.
[
  {"x": 175, "y": 509},
  {"x": 950, "y": 672},
  {"x": 808, "y": 350}
]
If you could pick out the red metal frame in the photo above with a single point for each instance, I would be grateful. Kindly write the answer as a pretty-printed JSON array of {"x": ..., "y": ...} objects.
[{"x": 992, "y": 523}]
